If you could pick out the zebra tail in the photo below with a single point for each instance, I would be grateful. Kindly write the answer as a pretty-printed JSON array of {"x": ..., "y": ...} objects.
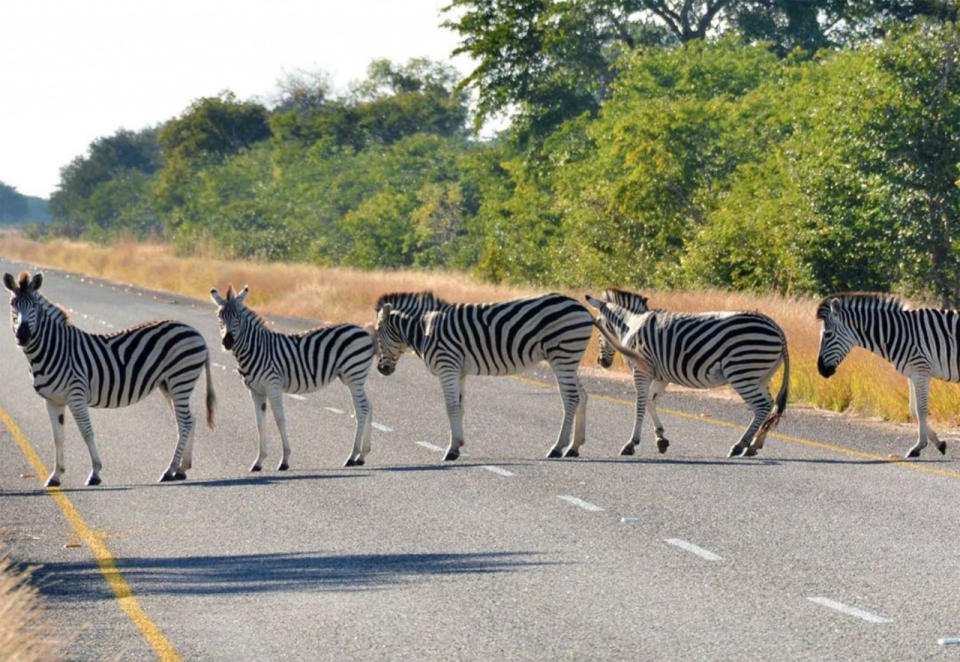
[
  {"x": 781, "y": 404},
  {"x": 211, "y": 396},
  {"x": 630, "y": 354}
]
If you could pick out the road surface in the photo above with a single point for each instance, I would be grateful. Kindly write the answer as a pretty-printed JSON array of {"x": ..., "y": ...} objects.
[{"x": 818, "y": 549}]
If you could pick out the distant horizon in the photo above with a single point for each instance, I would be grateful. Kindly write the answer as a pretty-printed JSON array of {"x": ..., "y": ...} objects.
[{"x": 87, "y": 70}]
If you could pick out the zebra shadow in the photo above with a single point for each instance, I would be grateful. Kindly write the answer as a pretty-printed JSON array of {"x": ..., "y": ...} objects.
[
  {"x": 42, "y": 491},
  {"x": 680, "y": 461},
  {"x": 256, "y": 479},
  {"x": 812, "y": 460},
  {"x": 275, "y": 572}
]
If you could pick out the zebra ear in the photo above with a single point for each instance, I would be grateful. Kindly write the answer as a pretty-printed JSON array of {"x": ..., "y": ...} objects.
[
  {"x": 243, "y": 294},
  {"x": 36, "y": 282},
  {"x": 384, "y": 311},
  {"x": 217, "y": 299},
  {"x": 10, "y": 282},
  {"x": 595, "y": 302}
]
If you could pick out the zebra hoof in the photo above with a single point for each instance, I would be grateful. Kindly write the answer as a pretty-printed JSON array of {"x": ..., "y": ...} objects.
[
  {"x": 52, "y": 482},
  {"x": 358, "y": 462},
  {"x": 255, "y": 467},
  {"x": 914, "y": 452},
  {"x": 736, "y": 451},
  {"x": 628, "y": 449},
  {"x": 93, "y": 480},
  {"x": 166, "y": 478},
  {"x": 572, "y": 452},
  {"x": 942, "y": 447},
  {"x": 283, "y": 466},
  {"x": 748, "y": 452},
  {"x": 662, "y": 444},
  {"x": 451, "y": 456},
  {"x": 350, "y": 462},
  {"x": 179, "y": 476},
  {"x": 554, "y": 453}
]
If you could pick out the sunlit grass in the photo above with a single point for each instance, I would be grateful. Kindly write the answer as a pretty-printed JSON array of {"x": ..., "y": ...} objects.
[
  {"x": 25, "y": 634},
  {"x": 864, "y": 383}
]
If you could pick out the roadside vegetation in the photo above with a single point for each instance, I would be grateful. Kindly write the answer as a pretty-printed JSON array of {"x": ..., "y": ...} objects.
[
  {"x": 864, "y": 384},
  {"x": 691, "y": 150},
  {"x": 25, "y": 634}
]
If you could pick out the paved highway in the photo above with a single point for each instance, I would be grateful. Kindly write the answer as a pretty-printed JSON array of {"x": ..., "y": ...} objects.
[{"x": 818, "y": 549}]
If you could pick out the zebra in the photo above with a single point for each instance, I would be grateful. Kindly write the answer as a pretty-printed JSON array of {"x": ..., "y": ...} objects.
[
  {"x": 697, "y": 350},
  {"x": 75, "y": 369},
  {"x": 920, "y": 343},
  {"x": 272, "y": 364},
  {"x": 459, "y": 339}
]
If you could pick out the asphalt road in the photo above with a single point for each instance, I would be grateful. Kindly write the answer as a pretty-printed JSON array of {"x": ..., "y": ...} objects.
[{"x": 816, "y": 550}]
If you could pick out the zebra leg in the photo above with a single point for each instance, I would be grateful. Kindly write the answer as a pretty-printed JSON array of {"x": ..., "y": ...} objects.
[
  {"x": 81, "y": 414},
  {"x": 758, "y": 398},
  {"x": 656, "y": 388},
  {"x": 364, "y": 415},
  {"x": 641, "y": 382},
  {"x": 186, "y": 462},
  {"x": 276, "y": 404},
  {"x": 570, "y": 396},
  {"x": 579, "y": 423},
  {"x": 452, "y": 385},
  {"x": 920, "y": 386},
  {"x": 55, "y": 412},
  {"x": 181, "y": 407},
  {"x": 260, "y": 407}
]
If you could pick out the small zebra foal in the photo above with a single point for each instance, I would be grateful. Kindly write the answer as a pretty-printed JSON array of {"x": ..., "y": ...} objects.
[
  {"x": 697, "y": 350},
  {"x": 920, "y": 343},
  {"x": 272, "y": 364},
  {"x": 460, "y": 339},
  {"x": 75, "y": 369}
]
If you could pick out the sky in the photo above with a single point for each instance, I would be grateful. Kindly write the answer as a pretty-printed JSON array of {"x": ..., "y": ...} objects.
[{"x": 72, "y": 71}]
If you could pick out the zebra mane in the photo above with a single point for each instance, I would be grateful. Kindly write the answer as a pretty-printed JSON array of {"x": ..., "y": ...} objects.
[
  {"x": 632, "y": 301},
  {"x": 859, "y": 300},
  {"x": 407, "y": 301}
]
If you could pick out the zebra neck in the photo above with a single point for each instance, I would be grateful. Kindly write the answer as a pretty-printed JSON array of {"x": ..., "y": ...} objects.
[
  {"x": 49, "y": 350},
  {"x": 252, "y": 343},
  {"x": 874, "y": 335},
  {"x": 413, "y": 335}
]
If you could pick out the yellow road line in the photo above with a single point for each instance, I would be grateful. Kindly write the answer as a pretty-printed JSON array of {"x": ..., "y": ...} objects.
[
  {"x": 796, "y": 440},
  {"x": 108, "y": 567}
]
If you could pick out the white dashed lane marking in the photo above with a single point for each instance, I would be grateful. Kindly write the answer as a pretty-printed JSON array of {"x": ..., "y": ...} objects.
[
  {"x": 849, "y": 611},
  {"x": 586, "y": 505},
  {"x": 431, "y": 447},
  {"x": 335, "y": 410},
  {"x": 500, "y": 471},
  {"x": 694, "y": 549},
  {"x": 218, "y": 365},
  {"x": 382, "y": 427},
  {"x": 296, "y": 396}
]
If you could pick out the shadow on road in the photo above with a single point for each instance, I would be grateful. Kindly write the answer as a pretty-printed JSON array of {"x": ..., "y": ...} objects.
[{"x": 260, "y": 573}]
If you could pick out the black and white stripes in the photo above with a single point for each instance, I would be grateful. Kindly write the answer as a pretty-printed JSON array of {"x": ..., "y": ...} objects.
[
  {"x": 921, "y": 344},
  {"x": 272, "y": 364},
  {"x": 75, "y": 369},
  {"x": 458, "y": 339},
  {"x": 697, "y": 350}
]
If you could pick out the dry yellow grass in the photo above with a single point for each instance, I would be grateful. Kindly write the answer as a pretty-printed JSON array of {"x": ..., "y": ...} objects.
[
  {"x": 864, "y": 383},
  {"x": 25, "y": 635}
]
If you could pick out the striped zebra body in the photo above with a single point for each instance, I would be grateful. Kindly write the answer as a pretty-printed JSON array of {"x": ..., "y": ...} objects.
[
  {"x": 457, "y": 339},
  {"x": 272, "y": 364},
  {"x": 921, "y": 344},
  {"x": 696, "y": 350},
  {"x": 75, "y": 369}
]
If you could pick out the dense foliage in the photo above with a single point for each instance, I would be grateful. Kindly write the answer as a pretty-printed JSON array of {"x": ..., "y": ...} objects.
[
  {"x": 641, "y": 152},
  {"x": 18, "y": 209}
]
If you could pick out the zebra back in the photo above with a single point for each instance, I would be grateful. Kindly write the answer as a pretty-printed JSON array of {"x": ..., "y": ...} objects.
[{"x": 632, "y": 301}]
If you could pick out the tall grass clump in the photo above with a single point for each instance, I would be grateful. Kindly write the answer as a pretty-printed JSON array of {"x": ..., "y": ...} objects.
[
  {"x": 25, "y": 634},
  {"x": 864, "y": 383}
]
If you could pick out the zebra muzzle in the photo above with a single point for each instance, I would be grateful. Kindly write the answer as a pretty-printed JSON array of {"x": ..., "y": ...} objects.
[
  {"x": 386, "y": 368},
  {"x": 23, "y": 334},
  {"x": 824, "y": 369},
  {"x": 227, "y": 341}
]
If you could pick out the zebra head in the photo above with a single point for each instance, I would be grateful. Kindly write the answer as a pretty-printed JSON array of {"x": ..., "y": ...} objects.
[
  {"x": 389, "y": 338},
  {"x": 611, "y": 320},
  {"x": 230, "y": 315},
  {"x": 836, "y": 337},
  {"x": 25, "y": 304}
]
